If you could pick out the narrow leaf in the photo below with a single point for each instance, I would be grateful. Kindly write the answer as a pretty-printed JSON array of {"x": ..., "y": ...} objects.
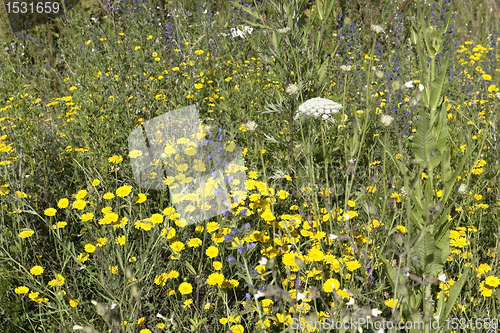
[
  {"x": 437, "y": 86},
  {"x": 452, "y": 297}
]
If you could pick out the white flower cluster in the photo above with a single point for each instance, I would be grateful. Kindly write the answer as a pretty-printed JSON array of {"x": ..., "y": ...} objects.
[
  {"x": 318, "y": 107},
  {"x": 236, "y": 32},
  {"x": 462, "y": 189},
  {"x": 292, "y": 89},
  {"x": 284, "y": 30},
  {"x": 251, "y": 126},
  {"x": 377, "y": 29},
  {"x": 403, "y": 192},
  {"x": 345, "y": 68},
  {"x": 498, "y": 95},
  {"x": 386, "y": 120}
]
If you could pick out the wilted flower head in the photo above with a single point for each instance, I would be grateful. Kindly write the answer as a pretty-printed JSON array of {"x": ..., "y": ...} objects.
[
  {"x": 386, "y": 120},
  {"x": 345, "y": 68},
  {"x": 292, "y": 89},
  {"x": 284, "y": 30},
  {"x": 318, "y": 107},
  {"x": 377, "y": 29}
]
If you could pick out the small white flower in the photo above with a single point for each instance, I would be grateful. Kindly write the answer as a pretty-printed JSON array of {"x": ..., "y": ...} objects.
[
  {"x": 263, "y": 261},
  {"x": 300, "y": 296},
  {"x": 113, "y": 305},
  {"x": 77, "y": 327},
  {"x": 386, "y": 120},
  {"x": 377, "y": 29},
  {"x": 292, "y": 89},
  {"x": 346, "y": 68},
  {"x": 442, "y": 278},
  {"x": 409, "y": 84},
  {"x": 251, "y": 126},
  {"x": 259, "y": 295},
  {"x": 332, "y": 236},
  {"x": 462, "y": 189},
  {"x": 420, "y": 87},
  {"x": 236, "y": 32},
  {"x": 284, "y": 30},
  {"x": 376, "y": 312},
  {"x": 351, "y": 301},
  {"x": 498, "y": 95}
]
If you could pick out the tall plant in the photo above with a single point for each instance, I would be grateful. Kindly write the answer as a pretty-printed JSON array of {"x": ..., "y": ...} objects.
[{"x": 427, "y": 215}]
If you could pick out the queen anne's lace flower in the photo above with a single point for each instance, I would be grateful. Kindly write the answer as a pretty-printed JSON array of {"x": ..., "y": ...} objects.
[
  {"x": 345, "y": 68},
  {"x": 377, "y": 28},
  {"x": 251, "y": 126},
  {"x": 292, "y": 89},
  {"x": 386, "y": 120},
  {"x": 318, "y": 107}
]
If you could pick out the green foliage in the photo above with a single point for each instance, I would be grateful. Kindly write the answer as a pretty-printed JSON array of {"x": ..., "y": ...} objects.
[{"x": 369, "y": 197}]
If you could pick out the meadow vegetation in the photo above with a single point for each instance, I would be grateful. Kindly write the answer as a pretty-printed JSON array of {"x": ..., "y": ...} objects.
[{"x": 381, "y": 203}]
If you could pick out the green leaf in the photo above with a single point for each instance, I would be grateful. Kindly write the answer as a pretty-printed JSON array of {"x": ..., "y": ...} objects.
[
  {"x": 320, "y": 9},
  {"x": 440, "y": 131},
  {"x": 414, "y": 35},
  {"x": 424, "y": 146},
  {"x": 444, "y": 245},
  {"x": 322, "y": 72},
  {"x": 445, "y": 167},
  {"x": 415, "y": 301},
  {"x": 437, "y": 86},
  {"x": 416, "y": 198},
  {"x": 428, "y": 254},
  {"x": 275, "y": 40},
  {"x": 256, "y": 25},
  {"x": 190, "y": 267},
  {"x": 246, "y": 9},
  {"x": 442, "y": 226},
  {"x": 330, "y": 9},
  {"x": 391, "y": 272},
  {"x": 452, "y": 297},
  {"x": 457, "y": 172}
]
